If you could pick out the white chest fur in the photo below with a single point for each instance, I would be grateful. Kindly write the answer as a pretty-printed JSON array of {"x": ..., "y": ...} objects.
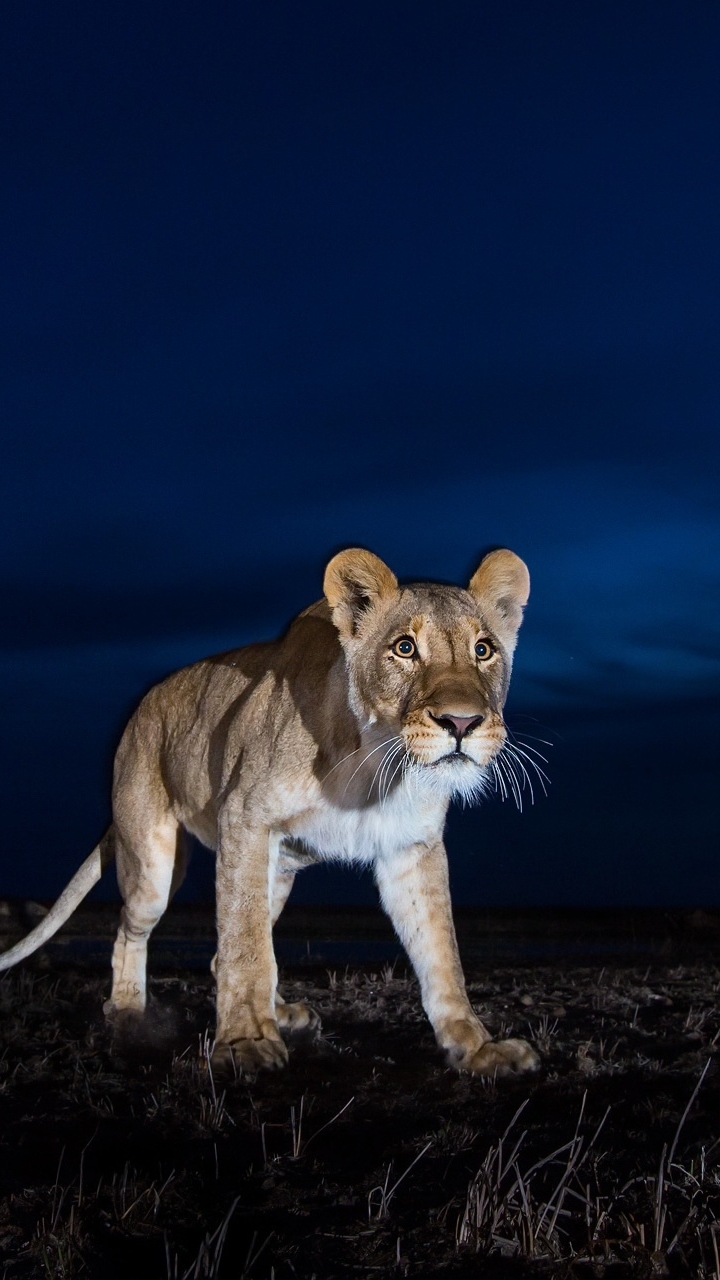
[{"x": 410, "y": 815}]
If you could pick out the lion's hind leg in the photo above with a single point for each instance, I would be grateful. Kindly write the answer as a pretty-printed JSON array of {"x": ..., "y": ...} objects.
[{"x": 146, "y": 867}]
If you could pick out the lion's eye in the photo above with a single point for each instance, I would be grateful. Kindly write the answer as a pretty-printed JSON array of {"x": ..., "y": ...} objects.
[
  {"x": 405, "y": 647},
  {"x": 484, "y": 650}
]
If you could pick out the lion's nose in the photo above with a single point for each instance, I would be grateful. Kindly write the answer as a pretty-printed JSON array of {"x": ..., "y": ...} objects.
[{"x": 458, "y": 726}]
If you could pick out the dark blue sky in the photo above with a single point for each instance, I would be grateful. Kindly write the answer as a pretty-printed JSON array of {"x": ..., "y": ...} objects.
[{"x": 426, "y": 277}]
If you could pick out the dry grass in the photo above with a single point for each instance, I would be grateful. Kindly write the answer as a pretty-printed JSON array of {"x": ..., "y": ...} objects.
[{"x": 367, "y": 1156}]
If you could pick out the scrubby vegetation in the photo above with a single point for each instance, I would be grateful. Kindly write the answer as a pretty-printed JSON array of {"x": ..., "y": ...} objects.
[{"x": 367, "y": 1156}]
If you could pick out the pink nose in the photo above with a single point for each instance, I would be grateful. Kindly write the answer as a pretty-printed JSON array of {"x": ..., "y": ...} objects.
[{"x": 458, "y": 726}]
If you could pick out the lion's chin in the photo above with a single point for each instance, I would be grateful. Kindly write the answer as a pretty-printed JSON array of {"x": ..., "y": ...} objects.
[{"x": 455, "y": 776}]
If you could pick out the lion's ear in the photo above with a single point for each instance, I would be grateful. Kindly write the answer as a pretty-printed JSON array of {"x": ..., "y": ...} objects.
[
  {"x": 355, "y": 580},
  {"x": 501, "y": 585}
]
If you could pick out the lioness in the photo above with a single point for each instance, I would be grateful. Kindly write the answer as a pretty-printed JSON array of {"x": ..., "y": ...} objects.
[{"x": 345, "y": 739}]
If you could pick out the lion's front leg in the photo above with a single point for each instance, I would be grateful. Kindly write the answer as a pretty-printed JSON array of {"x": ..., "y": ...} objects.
[
  {"x": 247, "y": 1037},
  {"x": 415, "y": 893}
]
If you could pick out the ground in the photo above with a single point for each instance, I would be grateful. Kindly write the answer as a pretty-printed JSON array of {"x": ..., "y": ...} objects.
[{"x": 367, "y": 1156}]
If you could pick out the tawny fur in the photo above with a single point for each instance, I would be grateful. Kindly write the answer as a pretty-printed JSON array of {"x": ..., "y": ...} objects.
[{"x": 346, "y": 739}]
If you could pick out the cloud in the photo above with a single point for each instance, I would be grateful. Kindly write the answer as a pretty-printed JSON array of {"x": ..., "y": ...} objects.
[{"x": 625, "y": 567}]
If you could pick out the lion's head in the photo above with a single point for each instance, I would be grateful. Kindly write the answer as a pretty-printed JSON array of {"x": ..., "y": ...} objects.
[{"x": 430, "y": 663}]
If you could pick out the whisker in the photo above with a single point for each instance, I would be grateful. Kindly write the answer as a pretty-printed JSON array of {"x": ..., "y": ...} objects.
[
  {"x": 337, "y": 766},
  {"x": 525, "y": 775},
  {"x": 521, "y": 748},
  {"x": 389, "y": 755},
  {"x": 398, "y": 766},
  {"x": 372, "y": 784},
  {"x": 520, "y": 742},
  {"x": 382, "y": 785},
  {"x": 366, "y": 758},
  {"x": 546, "y": 742},
  {"x": 518, "y": 778},
  {"x": 522, "y": 778},
  {"x": 499, "y": 781},
  {"x": 506, "y": 766},
  {"x": 517, "y": 752}
]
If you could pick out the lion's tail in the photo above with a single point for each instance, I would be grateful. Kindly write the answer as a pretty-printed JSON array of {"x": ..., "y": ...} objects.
[{"x": 72, "y": 895}]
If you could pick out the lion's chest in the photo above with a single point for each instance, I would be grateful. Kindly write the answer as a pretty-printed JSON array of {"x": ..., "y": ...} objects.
[{"x": 362, "y": 835}]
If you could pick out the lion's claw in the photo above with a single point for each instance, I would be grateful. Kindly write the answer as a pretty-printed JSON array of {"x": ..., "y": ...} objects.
[
  {"x": 247, "y": 1057},
  {"x": 297, "y": 1017}
]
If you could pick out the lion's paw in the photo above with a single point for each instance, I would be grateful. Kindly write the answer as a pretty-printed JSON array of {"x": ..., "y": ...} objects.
[
  {"x": 501, "y": 1058},
  {"x": 124, "y": 1005},
  {"x": 120, "y": 1016},
  {"x": 247, "y": 1057},
  {"x": 297, "y": 1018}
]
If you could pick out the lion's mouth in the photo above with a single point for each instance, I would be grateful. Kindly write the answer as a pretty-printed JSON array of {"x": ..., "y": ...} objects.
[
  {"x": 457, "y": 754},
  {"x": 460, "y": 755}
]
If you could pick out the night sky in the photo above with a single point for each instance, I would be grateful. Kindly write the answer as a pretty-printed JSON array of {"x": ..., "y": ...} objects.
[{"x": 281, "y": 278}]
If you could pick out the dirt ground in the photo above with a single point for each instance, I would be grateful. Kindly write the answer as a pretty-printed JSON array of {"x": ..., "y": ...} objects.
[{"x": 367, "y": 1156}]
